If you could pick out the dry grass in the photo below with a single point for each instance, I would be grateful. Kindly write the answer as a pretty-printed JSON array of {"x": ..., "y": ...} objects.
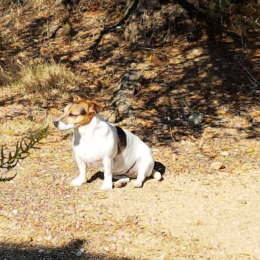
[
  {"x": 4, "y": 78},
  {"x": 34, "y": 3},
  {"x": 44, "y": 78},
  {"x": 9, "y": 71}
]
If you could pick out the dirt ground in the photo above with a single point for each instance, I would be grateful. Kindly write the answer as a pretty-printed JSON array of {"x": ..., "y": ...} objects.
[
  {"x": 195, "y": 212},
  {"x": 206, "y": 206}
]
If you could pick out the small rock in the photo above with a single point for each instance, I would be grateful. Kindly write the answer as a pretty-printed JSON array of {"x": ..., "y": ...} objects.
[
  {"x": 225, "y": 153},
  {"x": 242, "y": 201},
  {"x": 41, "y": 251},
  {"x": 216, "y": 166},
  {"x": 78, "y": 253},
  {"x": 196, "y": 118},
  {"x": 15, "y": 211}
]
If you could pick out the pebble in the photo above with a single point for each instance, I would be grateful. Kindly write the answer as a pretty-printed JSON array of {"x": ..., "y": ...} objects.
[
  {"x": 215, "y": 165},
  {"x": 242, "y": 201},
  {"x": 196, "y": 118},
  {"x": 80, "y": 252},
  {"x": 225, "y": 153}
]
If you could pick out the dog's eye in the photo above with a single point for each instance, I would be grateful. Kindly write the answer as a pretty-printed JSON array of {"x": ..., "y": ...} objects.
[
  {"x": 83, "y": 112},
  {"x": 71, "y": 114}
]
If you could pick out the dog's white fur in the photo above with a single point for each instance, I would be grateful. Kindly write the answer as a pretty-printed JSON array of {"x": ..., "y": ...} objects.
[{"x": 96, "y": 143}]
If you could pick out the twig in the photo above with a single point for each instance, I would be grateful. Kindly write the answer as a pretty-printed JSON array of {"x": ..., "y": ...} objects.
[
  {"x": 202, "y": 138},
  {"x": 248, "y": 72}
]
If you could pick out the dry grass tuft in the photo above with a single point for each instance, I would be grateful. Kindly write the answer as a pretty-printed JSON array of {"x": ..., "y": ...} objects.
[
  {"x": 43, "y": 81},
  {"x": 34, "y": 3},
  {"x": 43, "y": 78},
  {"x": 4, "y": 78},
  {"x": 9, "y": 70}
]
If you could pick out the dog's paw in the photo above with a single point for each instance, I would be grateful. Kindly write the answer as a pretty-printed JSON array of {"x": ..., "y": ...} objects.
[
  {"x": 107, "y": 186},
  {"x": 77, "y": 182},
  {"x": 138, "y": 184}
]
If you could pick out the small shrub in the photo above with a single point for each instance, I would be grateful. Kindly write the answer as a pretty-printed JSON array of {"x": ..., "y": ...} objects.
[{"x": 22, "y": 150}]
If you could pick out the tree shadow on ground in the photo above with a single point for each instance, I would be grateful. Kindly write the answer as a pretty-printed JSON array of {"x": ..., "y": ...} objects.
[
  {"x": 220, "y": 76},
  {"x": 213, "y": 72},
  {"x": 73, "y": 250}
]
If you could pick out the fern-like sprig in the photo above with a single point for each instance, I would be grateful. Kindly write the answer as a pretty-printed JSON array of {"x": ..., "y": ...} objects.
[{"x": 22, "y": 150}]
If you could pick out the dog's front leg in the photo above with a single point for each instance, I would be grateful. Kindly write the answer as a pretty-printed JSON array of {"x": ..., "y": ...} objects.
[
  {"x": 82, "y": 172},
  {"x": 108, "y": 172}
]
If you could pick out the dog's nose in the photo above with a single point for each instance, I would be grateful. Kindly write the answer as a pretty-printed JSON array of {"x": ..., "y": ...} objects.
[{"x": 56, "y": 123}]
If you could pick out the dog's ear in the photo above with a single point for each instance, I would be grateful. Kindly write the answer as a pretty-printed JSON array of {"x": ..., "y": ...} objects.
[
  {"x": 94, "y": 107},
  {"x": 97, "y": 107},
  {"x": 78, "y": 98}
]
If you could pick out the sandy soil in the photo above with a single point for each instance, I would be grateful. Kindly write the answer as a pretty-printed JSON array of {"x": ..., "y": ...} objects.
[{"x": 190, "y": 214}]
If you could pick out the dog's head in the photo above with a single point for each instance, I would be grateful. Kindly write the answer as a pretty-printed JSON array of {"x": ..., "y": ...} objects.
[{"x": 78, "y": 113}]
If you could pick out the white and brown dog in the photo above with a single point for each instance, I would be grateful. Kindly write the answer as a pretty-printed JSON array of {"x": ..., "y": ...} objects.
[{"x": 117, "y": 152}]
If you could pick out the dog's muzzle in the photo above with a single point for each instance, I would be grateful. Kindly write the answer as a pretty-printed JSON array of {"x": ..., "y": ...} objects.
[{"x": 56, "y": 123}]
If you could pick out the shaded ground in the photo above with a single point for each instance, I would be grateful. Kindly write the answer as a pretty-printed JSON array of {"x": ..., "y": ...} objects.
[{"x": 196, "y": 212}]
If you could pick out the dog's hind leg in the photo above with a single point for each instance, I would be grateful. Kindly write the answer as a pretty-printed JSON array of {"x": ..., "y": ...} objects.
[
  {"x": 138, "y": 183},
  {"x": 145, "y": 167},
  {"x": 120, "y": 181}
]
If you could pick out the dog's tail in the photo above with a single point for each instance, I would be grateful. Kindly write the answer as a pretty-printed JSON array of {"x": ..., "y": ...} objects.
[{"x": 156, "y": 175}]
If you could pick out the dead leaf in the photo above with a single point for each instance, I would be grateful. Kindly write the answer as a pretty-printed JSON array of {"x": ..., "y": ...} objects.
[
  {"x": 221, "y": 112},
  {"x": 255, "y": 114}
]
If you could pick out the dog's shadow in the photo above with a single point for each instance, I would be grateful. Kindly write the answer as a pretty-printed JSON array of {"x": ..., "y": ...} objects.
[
  {"x": 157, "y": 166},
  {"x": 97, "y": 175}
]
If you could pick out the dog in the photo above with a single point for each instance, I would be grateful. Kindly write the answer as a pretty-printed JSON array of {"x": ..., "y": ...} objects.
[{"x": 117, "y": 152}]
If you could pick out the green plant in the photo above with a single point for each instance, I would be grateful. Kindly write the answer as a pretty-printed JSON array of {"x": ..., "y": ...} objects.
[{"x": 21, "y": 152}]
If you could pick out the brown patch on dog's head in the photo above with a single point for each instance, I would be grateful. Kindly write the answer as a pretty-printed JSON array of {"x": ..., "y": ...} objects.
[
  {"x": 80, "y": 112},
  {"x": 93, "y": 105},
  {"x": 78, "y": 98}
]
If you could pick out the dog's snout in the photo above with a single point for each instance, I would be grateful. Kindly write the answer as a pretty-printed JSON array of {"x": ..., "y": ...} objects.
[{"x": 56, "y": 123}]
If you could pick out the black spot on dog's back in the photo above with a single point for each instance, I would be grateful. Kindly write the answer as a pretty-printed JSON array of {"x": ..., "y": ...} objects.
[{"x": 122, "y": 142}]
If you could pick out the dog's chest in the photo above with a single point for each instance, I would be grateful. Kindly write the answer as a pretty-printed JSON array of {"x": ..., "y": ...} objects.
[
  {"x": 90, "y": 154},
  {"x": 88, "y": 151},
  {"x": 92, "y": 149}
]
